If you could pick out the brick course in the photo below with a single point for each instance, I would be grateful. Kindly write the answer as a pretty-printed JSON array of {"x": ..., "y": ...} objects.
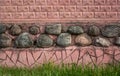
[{"x": 59, "y": 10}]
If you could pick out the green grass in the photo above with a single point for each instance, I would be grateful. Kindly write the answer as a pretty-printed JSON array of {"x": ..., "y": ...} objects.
[{"x": 64, "y": 70}]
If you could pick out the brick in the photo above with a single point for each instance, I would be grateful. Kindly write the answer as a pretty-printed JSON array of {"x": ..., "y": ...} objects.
[
  {"x": 5, "y": 16},
  {"x": 82, "y": 8},
  {"x": 118, "y": 2},
  {"x": 105, "y": 8},
  {"x": 115, "y": 8},
  {"x": 5, "y": 2},
  {"x": 29, "y": 2},
  {"x": 70, "y": 8},
  {"x": 11, "y": 9},
  {"x": 35, "y": 8},
  {"x": 28, "y": 15},
  {"x": 118, "y": 15},
  {"x": 41, "y": 2},
  {"x": 53, "y": 15},
  {"x": 17, "y": 2},
  {"x": 76, "y": 14},
  {"x": 88, "y": 2},
  {"x": 76, "y": 2},
  {"x": 23, "y": 8},
  {"x": 100, "y": 2},
  {"x": 111, "y": 2},
  {"x": 64, "y": 2},
  {"x": 58, "y": 8},
  {"x": 111, "y": 15},
  {"x": 94, "y": 8},
  {"x": 100, "y": 15},
  {"x": 17, "y": 15},
  {"x": 88, "y": 15},
  {"x": 46, "y": 8},
  {"x": 64, "y": 15},
  {"x": 2, "y": 9},
  {"x": 39, "y": 15},
  {"x": 52, "y": 2}
]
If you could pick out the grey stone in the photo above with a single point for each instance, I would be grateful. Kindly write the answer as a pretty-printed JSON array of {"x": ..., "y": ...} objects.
[
  {"x": 102, "y": 42},
  {"x": 3, "y": 28},
  {"x": 44, "y": 41},
  {"x": 34, "y": 30},
  {"x": 93, "y": 31},
  {"x": 5, "y": 41},
  {"x": 117, "y": 41},
  {"x": 111, "y": 31},
  {"x": 83, "y": 40},
  {"x": 54, "y": 29},
  {"x": 75, "y": 30},
  {"x": 15, "y": 30},
  {"x": 64, "y": 39},
  {"x": 24, "y": 41}
]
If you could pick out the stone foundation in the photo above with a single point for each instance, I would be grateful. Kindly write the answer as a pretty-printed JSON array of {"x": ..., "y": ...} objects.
[{"x": 29, "y": 45}]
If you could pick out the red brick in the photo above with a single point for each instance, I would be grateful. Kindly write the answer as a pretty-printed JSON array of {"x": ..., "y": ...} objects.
[
  {"x": 82, "y": 8},
  {"x": 111, "y": 2},
  {"x": 111, "y": 15},
  {"x": 41, "y": 2},
  {"x": 5, "y": 16},
  {"x": 100, "y": 2},
  {"x": 118, "y": 14},
  {"x": 46, "y": 8},
  {"x": 52, "y": 2},
  {"x": 115, "y": 8},
  {"x": 39, "y": 15},
  {"x": 105, "y": 8},
  {"x": 100, "y": 15},
  {"x": 64, "y": 2},
  {"x": 28, "y": 15},
  {"x": 23, "y": 8},
  {"x": 5, "y": 2},
  {"x": 76, "y": 14},
  {"x": 11, "y": 8},
  {"x": 70, "y": 8},
  {"x": 35, "y": 8},
  {"x": 17, "y": 15},
  {"x": 88, "y": 2},
  {"x": 76, "y": 2},
  {"x": 53, "y": 15},
  {"x": 88, "y": 15},
  {"x": 2, "y": 9},
  {"x": 64, "y": 15},
  {"x": 17, "y": 2},
  {"x": 29, "y": 2},
  {"x": 94, "y": 8},
  {"x": 58, "y": 8}
]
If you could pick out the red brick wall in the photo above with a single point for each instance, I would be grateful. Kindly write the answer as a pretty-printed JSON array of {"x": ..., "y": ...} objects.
[{"x": 59, "y": 10}]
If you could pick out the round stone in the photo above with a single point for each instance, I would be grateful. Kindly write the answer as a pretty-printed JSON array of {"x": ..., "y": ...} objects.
[
  {"x": 64, "y": 39},
  {"x": 5, "y": 41},
  {"x": 83, "y": 40},
  {"x": 117, "y": 41},
  {"x": 24, "y": 41},
  {"x": 44, "y": 41},
  {"x": 102, "y": 42},
  {"x": 75, "y": 30},
  {"x": 93, "y": 31},
  {"x": 15, "y": 30},
  {"x": 34, "y": 30},
  {"x": 111, "y": 31},
  {"x": 3, "y": 28},
  {"x": 54, "y": 29}
]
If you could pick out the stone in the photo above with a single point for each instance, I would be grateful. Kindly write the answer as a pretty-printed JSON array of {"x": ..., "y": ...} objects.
[
  {"x": 44, "y": 41},
  {"x": 34, "y": 30},
  {"x": 102, "y": 42},
  {"x": 54, "y": 29},
  {"x": 24, "y": 41},
  {"x": 3, "y": 28},
  {"x": 93, "y": 31},
  {"x": 75, "y": 30},
  {"x": 5, "y": 41},
  {"x": 83, "y": 40},
  {"x": 15, "y": 30},
  {"x": 117, "y": 41},
  {"x": 64, "y": 39},
  {"x": 111, "y": 31}
]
